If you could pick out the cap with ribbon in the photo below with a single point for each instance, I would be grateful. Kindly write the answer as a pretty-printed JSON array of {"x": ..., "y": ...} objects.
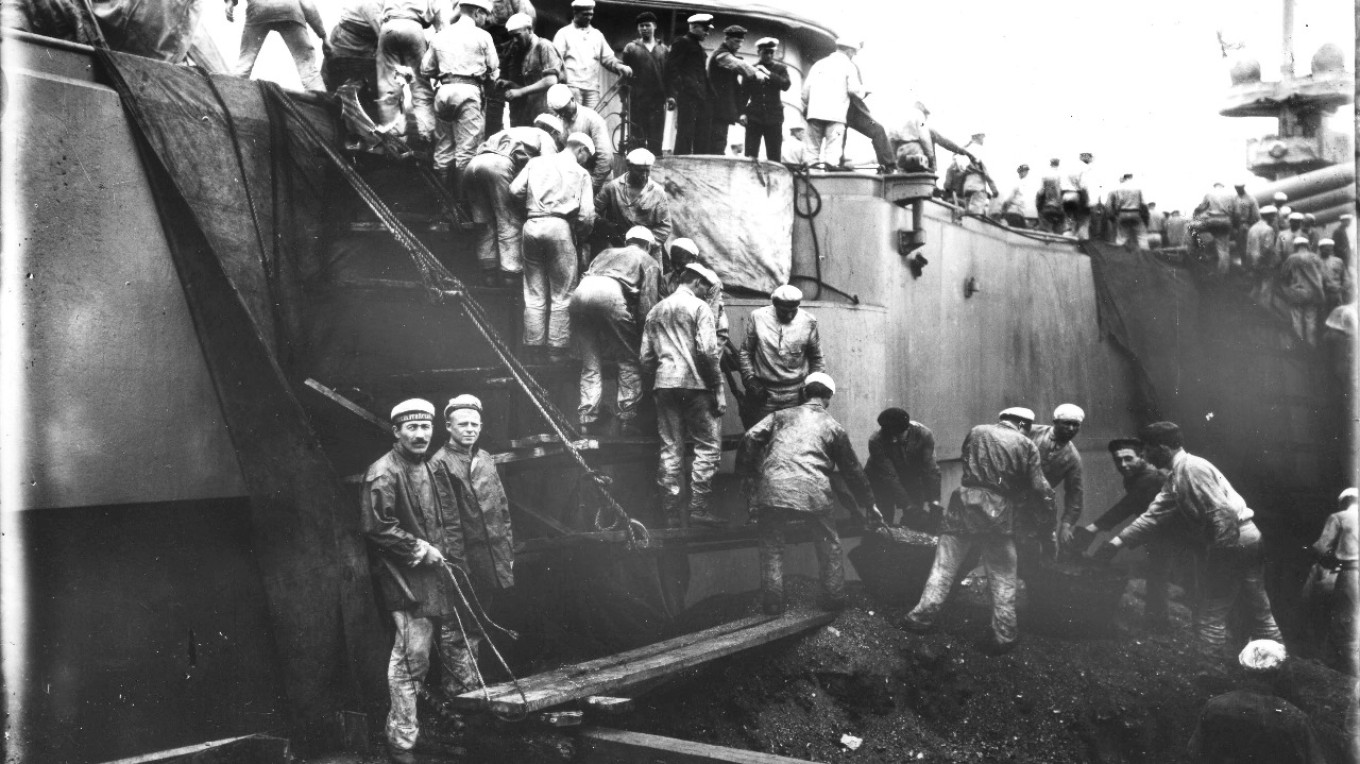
[
  {"x": 464, "y": 401},
  {"x": 641, "y": 158},
  {"x": 640, "y": 233},
  {"x": 700, "y": 18},
  {"x": 707, "y": 274},
  {"x": 581, "y": 139},
  {"x": 787, "y": 293},
  {"x": 549, "y": 121},
  {"x": 820, "y": 377},
  {"x": 413, "y": 410},
  {"x": 1017, "y": 412},
  {"x": 685, "y": 244},
  {"x": 767, "y": 42}
]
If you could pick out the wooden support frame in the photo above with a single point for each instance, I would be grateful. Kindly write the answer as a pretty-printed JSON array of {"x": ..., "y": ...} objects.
[
  {"x": 601, "y": 745},
  {"x": 245, "y": 749}
]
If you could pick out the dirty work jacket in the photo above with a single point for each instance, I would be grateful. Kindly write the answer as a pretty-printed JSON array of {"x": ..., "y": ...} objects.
[
  {"x": 715, "y": 304},
  {"x": 589, "y": 121},
  {"x": 519, "y": 145},
  {"x": 484, "y": 511},
  {"x": 529, "y": 66},
  {"x": 462, "y": 49},
  {"x": 556, "y": 186},
  {"x": 1262, "y": 240},
  {"x": 791, "y": 454},
  {"x": 1061, "y": 464},
  {"x": 619, "y": 204},
  {"x": 636, "y": 272},
  {"x": 1140, "y": 489},
  {"x": 1001, "y": 470},
  {"x": 680, "y": 343},
  {"x": 1198, "y": 495},
  {"x": 1301, "y": 279},
  {"x": 905, "y": 465},
  {"x": 404, "y": 501},
  {"x": 780, "y": 355}
]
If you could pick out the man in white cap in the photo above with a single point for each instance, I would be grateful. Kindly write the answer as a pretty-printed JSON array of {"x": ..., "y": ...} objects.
[
  {"x": 560, "y": 209},
  {"x": 1246, "y": 213},
  {"x": 1311, "y": 230},
  {"x": 608, "y": 310},
  {"x": 687, "y": 90},
  {"x": 401, "y": 48},
  {"x": 584, "y": 52},
  {"x": 1198, "y": 503},
  {"x": 680, "y": 352},
  {"x": 1301, "y": 285},
  {"x": 486, "y": 185},
  {"x": 782, "y": 346},
  {"x": 1338, "y": 556},
  {"x": 1341, "y": 234},
  {"x": 726, "y": 70},
  {"x": 531, "y": 66},
  {"x": 483, "y": 509},
  {"x": 682, "y": 252},
  {"x": 1291, "y": 229},
  {"x": 634, "y": 199},
  {"x": 1061, "y": 462},
  {"x": 410, "y": 518},
  {"x": 1259, "y": 256},
  {"x": 826, "y": 102},
  {"x": 583, "y": 119},
  {"x": 1001, "y": 473},
  {"x": 1336, "y": 275},
  {"x": 1130, "y": 214},
  {"x": 763, "y": 111},
  {"x": 787, "y": 461},
  {"x": 291, "y": 19},
  {"x": 459, "y": 63},
  {"x": 1214, "y": 214},
  {"x": 646, "y": 92}
]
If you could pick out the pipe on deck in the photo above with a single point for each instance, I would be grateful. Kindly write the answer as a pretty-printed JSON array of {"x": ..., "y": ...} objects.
[{"x": 1309, "y": 183}]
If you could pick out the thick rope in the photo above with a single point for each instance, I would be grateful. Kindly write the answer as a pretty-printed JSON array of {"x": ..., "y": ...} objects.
[{"x": 439, "y": 281}]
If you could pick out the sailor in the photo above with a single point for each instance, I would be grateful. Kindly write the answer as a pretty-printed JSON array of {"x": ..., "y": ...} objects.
[
  {"x": 584, "y": 51},
  {"x": 291, "y": 19},
  {"x": 782, "y": 346},
  {"x": 560, "y": 210},
  {"x": 1176, "y": 229},
  {"x": 1214, "y": 215},
  {"x": 978, "y": 186},
  {"x": 646, "y": 56},
  {"x": 1142, "y": 483},
  {"x": 483, "y": 509},
  {"x": 1051, "y": 199},
  {"x": 461, "y": 59},
  {"x": 1341, "y": 234},
  {"x": 1336, "y": 275},
  {"x": 1156, "y": 227},
  {"x": 859, "y": 119},
  {"x": 1259, "y": 255},
  {"x": 537, "y": 67},
  {"x": 726, "y": 71},
  {"x": 583, "y": 119},
  {"x": 682, "y": 252},
  {"x": 1302, "y": 287},
  {"x": 1130, "y": 214},
  {"x": 1291, "y": 230},
  {"x": 401, "y": 48},
  {"x": 511, "y": 58},
  {"x": 1061, "y": 462},
  {"x": 1338, "y": 558},
  {"x": 1018, "y": 209},
  {"x": 351, "y": 46},
  {"x": 787, "y": 461},
  {"x": 1310, "y": 230},
  {"x": 487, "y": 187},
  {"x": 1091, "y": 181},
  {"x": 1001, "y": 472},
  {"x": 608, "y": 310},
  {"x": 826, "y": 102},
  {"x": 794, "y": 151},
  {"x": 1077, "y": 199},
  {"x": 1246, "y": 212},
  {"x": 634, "y": 199},
  {"x": 1199, "y": 503},
  {"x": 763, "y": 107},
  {"x": 680, "y": 352},
  {"x": 688, "y": 93},
  {"x": 913, "y": 142},
  {"x": 411, "y": 520},
  {"x": 903, "y": 471}
]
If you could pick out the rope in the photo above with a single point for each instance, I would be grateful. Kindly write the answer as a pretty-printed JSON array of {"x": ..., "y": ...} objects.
[
  {"x": 477, "y": 615},
  {"x": 439, "y": 281}
]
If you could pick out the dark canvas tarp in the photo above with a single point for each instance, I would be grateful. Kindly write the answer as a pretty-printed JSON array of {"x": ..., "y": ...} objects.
[
  {"x": 166, "y": 30},
  {"x": 239, "y": 205}
]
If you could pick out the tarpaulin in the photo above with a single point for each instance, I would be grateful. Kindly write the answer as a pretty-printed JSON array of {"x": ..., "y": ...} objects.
[
  {"x": 740, "y": 213},
  {"x": 165, "y": 30}
]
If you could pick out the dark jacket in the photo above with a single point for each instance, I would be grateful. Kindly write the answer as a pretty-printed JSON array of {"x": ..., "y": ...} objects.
[
  {"x": 648, "y": 85},
  {"x": 686, "y": 69},
  {"x": 791, "y": 455},
  {"x": 761, "y": 102},
  {"x": 488, "y": 540},
  {"x": 1140, "y": 489},
  {"x": 903, "y": 469},
  {"x": 725, "y": 71},
  {"x": 394, "y": 517}
]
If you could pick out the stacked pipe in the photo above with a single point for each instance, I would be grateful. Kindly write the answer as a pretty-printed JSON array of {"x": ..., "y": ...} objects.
[{"x": 1328, "y": 193}]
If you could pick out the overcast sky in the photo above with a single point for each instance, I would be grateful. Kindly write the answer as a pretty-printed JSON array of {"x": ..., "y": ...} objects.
[{"x": 1139, "y": 87}]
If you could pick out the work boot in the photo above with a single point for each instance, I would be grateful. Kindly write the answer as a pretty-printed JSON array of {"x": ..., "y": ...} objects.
[
  {"x": 916, "y": 627},
  {"x": 703, "y": 518}
]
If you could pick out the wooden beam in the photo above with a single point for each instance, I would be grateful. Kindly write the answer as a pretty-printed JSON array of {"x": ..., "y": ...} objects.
[
  {"x": 557, "y": 528},
  {"x": 599, "y": 745},
  {"x": 584, "y": 680},
  {"x": 246, "y": 749},
  {"x": 349, "y": 405}
]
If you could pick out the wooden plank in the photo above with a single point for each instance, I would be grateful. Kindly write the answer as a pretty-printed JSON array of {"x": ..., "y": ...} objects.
[
  {"x": 246, "y": 749},
  {"x": 557, "y": 528},
  {"x": 669, "y": 662},
  {"x": 349, "y": 405},
  {"x": 600, "y": 745},
  {"x": 475, "y": 701}
]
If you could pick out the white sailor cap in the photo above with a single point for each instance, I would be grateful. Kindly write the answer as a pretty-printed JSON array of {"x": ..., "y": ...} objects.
[
  {"x": 483, "y": 4},
  {"x": 1269, "y": 209},
  {"x": 787, "y": 293},
  {"x": 641, "y": 158},
  {"x": 559, "y": 95},
  {"x": 640, "y": 233},
  {"x": 583, "y": 4},
  {"x": 412, "y": 410},
  {"x": 822, "y": 378},
  {"x": 1017, "y": 412},
  {"x": 581, "y": 139},
  {"x": 1069, "y": 412},
  {"x": 1348, "y": 217},
  {"x": 1349, "y": 493},
  {"x": 1280, "y": 196},
  {"x": 519, "y": 21},
  {"x": 1301, "y": 240},
  {"x": 708, "y": 274},
  {"x": 549, "y": 121},
  {"x": 685, "y": 245},
  {"x": 767, "y": 42},
  {"x": 463, "y": 402},
  {"x": 700, "y": 18},
  {"x": 1326, "y": 243},
  {"x": 1296, "y": 216}
]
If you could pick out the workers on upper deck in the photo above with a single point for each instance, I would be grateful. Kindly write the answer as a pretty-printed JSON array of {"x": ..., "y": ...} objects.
[
  {"x": 401, "y": 48},
  {"x": 634, "y": 199},
  {"x": 913, "y": 142},
  {"x": 1130, "y": 213},
  {"x": 1018, "y": 208},
  {"x": 460, "y": 63},
  {"x": 762, "y": 113},
  {"x": 826, "y": 101},
  {"x": 726, "y": 71},
  {"x": 1245, "y": 212},
  {"x": 1051, "y": 199},
  {"x": 646, "y": 56},
  {"x": 1214, "y": 214},
  {"x": 531, "y": 66},
  {"x": 584, "y": 52},
  {"x": 978, "y": 186},
  {"x": 687, "y": 89},
  {"x": 577, "y": 118},
  {"x": 351, "y": 47},
  {"x": 782, "y": 346},
  {"x": 291, "y": 20}
]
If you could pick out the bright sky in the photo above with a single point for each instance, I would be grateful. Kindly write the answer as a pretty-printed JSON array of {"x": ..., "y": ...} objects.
[{"x": 1139, "y": 88}]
